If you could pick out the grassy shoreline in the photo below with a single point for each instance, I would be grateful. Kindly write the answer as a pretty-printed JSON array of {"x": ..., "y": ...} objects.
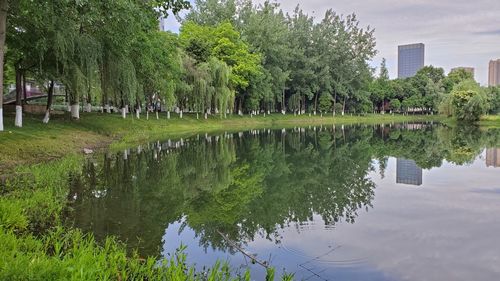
[{"x": 37, "y": 142}]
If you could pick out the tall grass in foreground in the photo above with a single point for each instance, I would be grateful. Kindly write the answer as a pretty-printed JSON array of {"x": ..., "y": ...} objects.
[{"x": 35, "y": 246}]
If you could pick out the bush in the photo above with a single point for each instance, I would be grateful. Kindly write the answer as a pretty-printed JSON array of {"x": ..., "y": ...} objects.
[{"x": 468, "y": 101}]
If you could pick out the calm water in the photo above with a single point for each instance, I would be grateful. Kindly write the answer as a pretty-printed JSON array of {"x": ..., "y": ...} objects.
[{"x": 400, "y": 202}]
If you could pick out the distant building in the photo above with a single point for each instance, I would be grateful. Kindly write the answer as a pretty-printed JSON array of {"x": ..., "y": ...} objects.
[
  {"x": 408, "y": 172},
  {"x": 494, "y": 73},
  {"x": 493, "y": 157},
  {"x": 470, "y": 70},
  {"x": 410, "y": 59}
]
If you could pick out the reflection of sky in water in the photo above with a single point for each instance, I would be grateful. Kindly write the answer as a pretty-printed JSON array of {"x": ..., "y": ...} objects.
[{"x": 445, "y": 229}]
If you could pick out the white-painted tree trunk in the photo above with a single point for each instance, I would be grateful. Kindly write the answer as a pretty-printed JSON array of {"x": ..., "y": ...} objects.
[
  {"x": 240, "y": 113},
  {"x": 157, "y": 117},
  {"x": 206, "y": 116},
  {"x": 108, "y": 108},
  {"x": 124, "y": 112},
  {"x": 89, "y": 107},
  {"x": 69, "y": 107},
  {"x": 19, "y": 116},
  {"x": 47, "y": 116},
  {"x": 1, "y": 119},
  {"x": 138, "y": 114},
  {"x": 180, "y": 114},
  {"x": 75, "y": 111},
  {"x": 168, "y": 114},
  {"x": 147, "y": 114},
  {"x": 197, "y": 115}
]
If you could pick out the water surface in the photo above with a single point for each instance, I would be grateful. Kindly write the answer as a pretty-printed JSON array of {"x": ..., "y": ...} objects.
[{"x": 394, "y": 202}]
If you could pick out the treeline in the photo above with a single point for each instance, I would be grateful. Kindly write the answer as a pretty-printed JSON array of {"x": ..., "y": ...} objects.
[
  {"x": 228, "y": 58},
  {"x": 101, "y": 52},
  {"x": 431, "y": 91}
]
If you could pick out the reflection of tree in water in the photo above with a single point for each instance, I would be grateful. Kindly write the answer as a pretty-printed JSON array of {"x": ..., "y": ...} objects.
[{"x": 251, "y": 185}]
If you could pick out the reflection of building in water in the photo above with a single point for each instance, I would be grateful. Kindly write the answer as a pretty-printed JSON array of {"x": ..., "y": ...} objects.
[
  {"x": 493, "y": 157},
  {"x": 408, "y": 172}
]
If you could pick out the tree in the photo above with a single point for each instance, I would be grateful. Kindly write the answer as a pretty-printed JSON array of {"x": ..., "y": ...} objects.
[
  {"x": 493, "y": 94},
  {"x": 325, "y": 102},
  {"x": 455, "y": 77},
  {"x": 469, "y": 101}
]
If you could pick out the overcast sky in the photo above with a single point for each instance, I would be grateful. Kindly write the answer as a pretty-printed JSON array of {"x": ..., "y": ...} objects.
[{"x": 455, "y": 32}]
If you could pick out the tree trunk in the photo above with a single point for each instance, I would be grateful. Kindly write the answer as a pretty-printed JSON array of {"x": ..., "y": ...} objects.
[
  {"x": 343, "y": 106},
  {"x": 75, "y": 110},
  {"x": 168, "y": 114},
  {"x": 316, "y": 104},
  {"x": 334, "y": 103},
  {"x": 50, "y": 96},
  {"x": 19, "y": 105},
  {"x": 25, "y": 95},
  {"x": 124, "y": 112},
  {"x": 4, "y": 7},
  {"x": 283, "y": 107}
]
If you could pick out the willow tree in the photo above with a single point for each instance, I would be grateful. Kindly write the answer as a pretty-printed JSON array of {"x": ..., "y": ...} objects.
[
  {"x": 202, "y": 89},
  {"x": 223, "y": 95},
  {"x": 124, "y": 83},
  {"x": 223, "y": 42}
]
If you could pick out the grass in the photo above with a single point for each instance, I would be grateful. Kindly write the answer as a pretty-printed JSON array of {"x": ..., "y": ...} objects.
[{"x": 37, "y": 142}]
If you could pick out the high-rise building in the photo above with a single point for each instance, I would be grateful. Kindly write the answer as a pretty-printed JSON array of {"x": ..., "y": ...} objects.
[
  {"x": 493, "y": 157},
  {"x": 471, "y": 70},
  {"x": 494, "y": 73},
  {"x": 410, "y": 59},
  {"x": 408, "y": 172}
]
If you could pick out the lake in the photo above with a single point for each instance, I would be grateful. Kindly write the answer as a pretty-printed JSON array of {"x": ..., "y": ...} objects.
[{"x": 394, "y": 202}]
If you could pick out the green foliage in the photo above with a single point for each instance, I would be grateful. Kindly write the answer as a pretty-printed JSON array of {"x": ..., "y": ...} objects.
[
  {"x": 325, "y": 102},
  {"x": 469, "y": 101},
  {"x": 493, "y": 95},
  {"x": 395, "y": 104}
]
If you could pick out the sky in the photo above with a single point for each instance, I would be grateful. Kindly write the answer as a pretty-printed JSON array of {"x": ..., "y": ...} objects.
[{"x": 455, "y": 32}]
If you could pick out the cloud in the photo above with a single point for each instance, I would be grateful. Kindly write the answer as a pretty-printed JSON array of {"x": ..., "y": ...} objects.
[
  {"x": 487, "y": 32},
  {"x": 456, "y": 32}
]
